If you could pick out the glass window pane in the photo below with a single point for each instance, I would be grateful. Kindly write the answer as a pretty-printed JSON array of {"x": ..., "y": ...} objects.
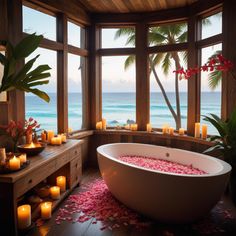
[
  {"x": 118, "y": 90},
  {"x": 118, "y": 38},
  {"x": 160, "y": 111},
  {"x": 36, "y": 21},
  {"x": 74, "y": 35},
  {"x": 168, "y": 34},
  {"x": 45, "y": 113},
  {"x": 3, "y": 95},
  {"x": 210, "y": 87},
  {"x": 211, "y": 25},
  {"x": 75, "y": 72}
]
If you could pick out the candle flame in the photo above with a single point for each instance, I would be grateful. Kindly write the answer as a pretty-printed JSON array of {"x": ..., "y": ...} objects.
[{"x": 33, "y": 145}]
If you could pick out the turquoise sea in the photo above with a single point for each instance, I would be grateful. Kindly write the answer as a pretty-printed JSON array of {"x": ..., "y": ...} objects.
[{"x": 118, "y": 108}]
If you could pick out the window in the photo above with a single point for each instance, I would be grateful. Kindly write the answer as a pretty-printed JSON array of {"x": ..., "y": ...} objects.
[
  {"x": 75, "y": 72},
  {"x": 3, "y": 95},
  {"x": 164, "y": 102},
  {"x": 118, "y": 37},
  {"x": 36, "y": 21},
  {"x": 167, "y": 34},
  {"x": 211, "y": 25},
  {"x": 118, "y": 90},
  {"x": 210, "y": 86},
  {"x": 45, "y": 113},
  {"x": 75, "y": 35}
]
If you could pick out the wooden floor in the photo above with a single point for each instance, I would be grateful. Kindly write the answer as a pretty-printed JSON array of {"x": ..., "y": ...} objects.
[{"x": 89, "y": 229}]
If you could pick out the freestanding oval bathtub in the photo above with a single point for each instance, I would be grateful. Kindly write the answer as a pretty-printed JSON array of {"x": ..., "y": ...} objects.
[{"x": 159, "y": 195}]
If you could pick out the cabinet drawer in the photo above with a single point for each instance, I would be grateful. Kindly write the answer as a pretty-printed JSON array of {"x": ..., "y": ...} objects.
[
  {"x": 75, "y": 171},
  {"x": 33, "y": 178},
  {"x": 75, "y": 152},
  {"x": 62, "y": 160}
]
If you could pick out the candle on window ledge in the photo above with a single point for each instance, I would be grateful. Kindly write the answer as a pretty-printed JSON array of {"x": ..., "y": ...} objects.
[
  {"x": 24, "y": 216},
  {"x": 46, "y": 210},
  {"x": 197, "y": 130},
  {"x": 55, "y": 192},
  {"x": 165, "y": 129},
  {"x": 127, "y": 126},
  {"x": 134, "y": 127},
  {"x": 171, "y": 130},
  {"x": 50, "y": 135},
  {"x": 204, "y": 131},
  {"x": 63, "y": 137},
  {"x": 14, "y": 163},
  {"x": 104, "y": 124},
  {"x": 61, "y": 182},
  {"x": 70, "y": 130},
  {"x": 181, "y": 131},
  {"x": 56, "y": 140},
  {"x": 23, "y": 158},
  {"x": 44, "y": 136},
  {"x": 149, "y": 127},
  {"x": 99, "y": 125}
]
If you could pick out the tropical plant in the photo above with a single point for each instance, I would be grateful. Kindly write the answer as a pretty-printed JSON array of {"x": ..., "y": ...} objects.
[
  {"x": 24, "y": 79},
  {"x": 225, "y": 141}
]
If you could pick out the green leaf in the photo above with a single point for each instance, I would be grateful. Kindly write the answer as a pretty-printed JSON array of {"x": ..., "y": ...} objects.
[
  {"x": 38, "y": 83},
  {"x": 216, "y": 124},
  {"x": 27, "y": 46},
  {"x": 213, "y": 148},
  {"x": 36, "y": 77},
  {"x": 40, "y": 94}
]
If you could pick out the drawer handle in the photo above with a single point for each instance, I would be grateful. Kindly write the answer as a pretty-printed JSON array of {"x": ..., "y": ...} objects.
[
  {"x": 76, "y": 152},
  {"x": 30, "y": 181},
  {"x": 76, "y": 177},
  {"x": 76, "y": 165}
]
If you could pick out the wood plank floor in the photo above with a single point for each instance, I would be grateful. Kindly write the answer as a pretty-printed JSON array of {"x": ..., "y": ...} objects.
[{"x": 89, "y": 229}]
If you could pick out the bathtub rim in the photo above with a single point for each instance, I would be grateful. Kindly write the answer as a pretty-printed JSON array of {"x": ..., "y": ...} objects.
[{"x": 224, "y": 170}]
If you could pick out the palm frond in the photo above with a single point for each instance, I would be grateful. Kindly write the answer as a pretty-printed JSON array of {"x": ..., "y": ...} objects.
[
  {"x": 166, "y": 63},
  {"x": 129, "y": 61},
  {"x": 158, "y": 58},
  {"x": 214, "y": 79},
  {"x": 124, "y": 32}
]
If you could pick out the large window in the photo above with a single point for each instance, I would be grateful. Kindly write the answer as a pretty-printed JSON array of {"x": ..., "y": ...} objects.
[{"x": 118, "y": 89}]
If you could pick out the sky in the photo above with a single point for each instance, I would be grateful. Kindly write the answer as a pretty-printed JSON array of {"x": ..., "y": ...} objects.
[{"x": 114, "y": 77}]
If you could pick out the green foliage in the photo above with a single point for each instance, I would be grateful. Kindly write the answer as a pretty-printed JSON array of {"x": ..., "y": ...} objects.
[
  {"x": 225, "y": 142},
  {"x": 23, "y": 79}
]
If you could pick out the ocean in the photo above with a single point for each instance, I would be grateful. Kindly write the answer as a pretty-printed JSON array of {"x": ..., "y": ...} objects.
[{"x": 118, "y": 108}]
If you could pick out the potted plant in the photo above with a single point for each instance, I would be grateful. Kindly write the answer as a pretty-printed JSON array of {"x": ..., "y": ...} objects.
[{"x": 225, "y": 143}]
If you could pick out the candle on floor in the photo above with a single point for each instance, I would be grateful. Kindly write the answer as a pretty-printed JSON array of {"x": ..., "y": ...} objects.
[
  {"x": 44, "y": 136},
  {"x": 14, "y": 163},
  {"x": 99, "y": 125},
  {"x": 46, "y": 210},
  {"x": 55, "y": 192},
  {"x": 204, "y": 131},
  {"x": 50, "y": 135},
  {"x": 181, "y": 131},
  {"x": 24, "y": 216},
  {"x": 197, "y": 130},
  {"x": 171, "y": 130},
  {"x": 61, "y": 182},
  {"x": 149, "y": 127},
  {"x": 104, "y": 124},
  {"x": 23, "y": 158},
  {"x": 56, "y": 140}
]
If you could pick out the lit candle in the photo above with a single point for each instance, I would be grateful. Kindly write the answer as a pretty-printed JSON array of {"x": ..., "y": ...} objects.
[
  {"x": 56, "y": 140},
  {"x": 24, "y": 216},
  {"x": 63, "y": 137},
  {"x": 70, "y": 130},
  {"x": 14, "y": 163},
  {"x": 134, "y": 127},
  {"x": 204, "y": 131},
  {"x": 171, "y": 130},
  {"x": 181, "y": 131},
  {"x": 165, "y": 129},
  {"x": 99, "y": 125},
  {"x": 44, "y": 136},
  {"x": 127, "y": 126},
  {"x": 23, "y": 158},
  {"x": 61, "y": 182},
  {"x": 55, "y": 192},
  {"x": 50, "y": 134},
  {"x": 197, "y": 130},
  {"x": 46, "y": 210},
  {"x": 104, "y": 124},
  {"x": 149, "y": 128}
]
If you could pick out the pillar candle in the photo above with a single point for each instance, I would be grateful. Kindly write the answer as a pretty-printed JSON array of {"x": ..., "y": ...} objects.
[
  {"x": 46, "y": 210},
  {"x": 171, "y": 131},
  {"x": 104, "y": 124},
  {"x": 50, "y": 134},
  {"x": 61, "y": 182},
  {"x": 55, "y": 192},
  {"x": 99, "y": 125},
  {"x": 24, "y": 216},
  {"x": 23, "y": 158},
  {"x": 149, "y": 127},
  {"x": 127, "y": 126},
  {"x": 197, "y": 130},
  {"x": 204, "y": 131},
  {"x": 56, "y": 140},
  {"x": 133, "y": 127},
  {"x": 14, "y": 163},
  {"x": 63, "y": 137},
  {"x": 165, "y": 129},
  {"x": 181, "y": 131},
  {"x": 43, "y": 136}
]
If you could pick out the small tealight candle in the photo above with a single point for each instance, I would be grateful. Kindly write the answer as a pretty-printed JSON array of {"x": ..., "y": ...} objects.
[
  {"x": 55, "y": 192},
  {"x": 14, "y": 163},
  {"x": 46, "y": 210},
  {"x": 171, "y": 130},
  {"x": 24, "y": 216},
  {"x": 181, "y": 131},
  {"x": 104, "y": 124},
  {"x": 197, "y": 130},
  {"x": 204, "y": 131},
  {"x": 149, "y": 128},
  {"x": 23, "y": 158},
  {"x": 99, "y": 125},
  {"x": 61, "y": 182},
  {"x": 56, "y": 140},
  {"x": 50, "y": 135}
]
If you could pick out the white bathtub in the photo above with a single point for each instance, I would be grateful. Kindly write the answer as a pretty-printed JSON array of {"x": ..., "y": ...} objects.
[{"x": 163, "y": 196}]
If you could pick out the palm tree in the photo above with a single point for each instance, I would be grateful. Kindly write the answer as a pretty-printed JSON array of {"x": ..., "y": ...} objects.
[{"x": 166, "y": 34}]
